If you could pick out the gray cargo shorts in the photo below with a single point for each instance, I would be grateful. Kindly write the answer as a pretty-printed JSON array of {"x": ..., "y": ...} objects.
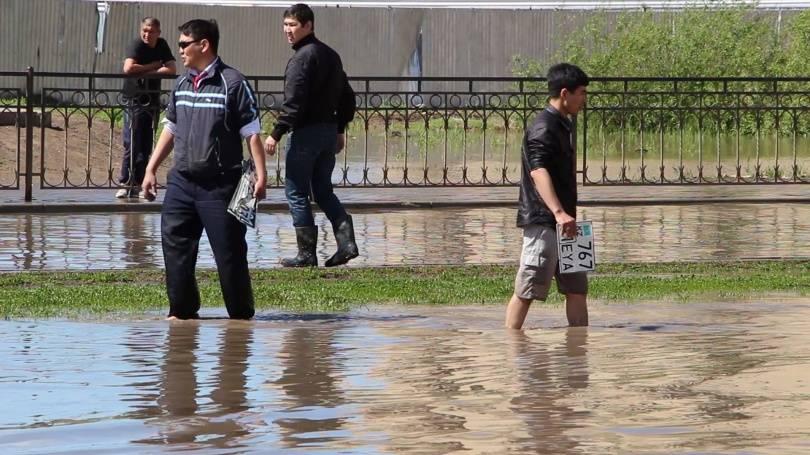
[{"x": 538, "y": 264}]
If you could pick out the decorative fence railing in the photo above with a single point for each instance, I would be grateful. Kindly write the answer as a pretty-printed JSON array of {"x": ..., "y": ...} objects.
[
  {"x": 696, "y": 130},
  {"x": 65, "y": 130}
]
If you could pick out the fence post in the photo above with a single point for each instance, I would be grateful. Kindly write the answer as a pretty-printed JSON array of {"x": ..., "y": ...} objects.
[{"x": 29, "y": 133}]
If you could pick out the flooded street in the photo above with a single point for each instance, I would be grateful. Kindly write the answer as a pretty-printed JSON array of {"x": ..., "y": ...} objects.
[
  {"x": 421, "y": 236},
  {"x": 651, "y": 378},
  {"x": 719, "y": 377}
]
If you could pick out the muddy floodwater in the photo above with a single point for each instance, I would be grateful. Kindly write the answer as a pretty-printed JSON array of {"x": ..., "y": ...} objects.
[
  {"x": 416, "y": 237},
  {"x": 721, "y": 378}
]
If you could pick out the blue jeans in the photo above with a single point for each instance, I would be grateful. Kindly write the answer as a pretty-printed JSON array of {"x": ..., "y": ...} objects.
[{"x": 309, "y": 164}]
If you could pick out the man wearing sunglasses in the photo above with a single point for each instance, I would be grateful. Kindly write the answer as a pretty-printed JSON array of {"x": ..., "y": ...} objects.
[
  {"x": 149, "y": 55},
  {"x": 318, "y": 104},
  {"x": 211, "y": 110}
]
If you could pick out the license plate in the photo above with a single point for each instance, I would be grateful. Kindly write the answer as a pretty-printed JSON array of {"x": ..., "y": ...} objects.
[{"x": 577, "y": 254}]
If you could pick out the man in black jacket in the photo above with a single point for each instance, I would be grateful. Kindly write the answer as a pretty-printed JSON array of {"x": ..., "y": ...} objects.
[
  {"x": 548, "y": 197},
  {"x": 318, "y": 104},
  {"x": 211, "y": 111}
]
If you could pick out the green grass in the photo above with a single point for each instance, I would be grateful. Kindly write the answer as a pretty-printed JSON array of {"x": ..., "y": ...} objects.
[{"x": 74, "y": 294}]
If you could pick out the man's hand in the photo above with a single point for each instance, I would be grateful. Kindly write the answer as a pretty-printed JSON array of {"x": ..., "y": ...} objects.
[
  {"x": 341, "y": 142},
  {"x": 270, "y": 146},
  {"x": 259, "y": 190},
  {"x": 568, "y": 223},
  {"x": 149, "y": 185}
]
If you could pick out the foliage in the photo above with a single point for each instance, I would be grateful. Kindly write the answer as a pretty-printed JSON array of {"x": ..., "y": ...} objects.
[{"x": 707, "y": 40}]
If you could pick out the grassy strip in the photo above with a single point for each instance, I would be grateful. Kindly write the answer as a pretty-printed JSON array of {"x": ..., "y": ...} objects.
[{"x": 67, "y": 294}]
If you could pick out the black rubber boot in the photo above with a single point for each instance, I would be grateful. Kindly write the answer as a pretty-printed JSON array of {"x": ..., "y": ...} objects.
[
  {"x": 347, "y": 248},
  {"x": 307, "y": 238}
]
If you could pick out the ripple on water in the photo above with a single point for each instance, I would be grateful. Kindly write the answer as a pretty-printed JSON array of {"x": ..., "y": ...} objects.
[{"x": 695, "y": 377}]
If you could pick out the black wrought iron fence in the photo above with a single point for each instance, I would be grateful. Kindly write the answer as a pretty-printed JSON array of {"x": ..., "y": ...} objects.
[
  {"x": 12, "y": 124},
  {"x": 696, "y": 130},
  {"x": 428, "y": 131},
  {"x": 451, "y": 131}
]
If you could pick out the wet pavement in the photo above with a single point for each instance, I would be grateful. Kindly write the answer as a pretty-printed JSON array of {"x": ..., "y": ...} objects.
[
  {"x": 89, "y": 200},
  {"x": 724, "y": 378},
  {"x": 421, "y": 236}
]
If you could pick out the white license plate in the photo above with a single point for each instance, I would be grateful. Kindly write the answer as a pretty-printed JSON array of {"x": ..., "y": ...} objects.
[{"x": 577, "y": 254}]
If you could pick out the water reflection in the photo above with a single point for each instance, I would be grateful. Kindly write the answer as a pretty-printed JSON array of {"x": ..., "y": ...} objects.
[
  {"x": 136, "y": 242},
  {"x": 311, "y": 391},
  {"x": 718, "y": 378},
  {"x": 414, "y": 237},
  {"x": 548, "y": 376},
  {"x": 189, "y": 411}
]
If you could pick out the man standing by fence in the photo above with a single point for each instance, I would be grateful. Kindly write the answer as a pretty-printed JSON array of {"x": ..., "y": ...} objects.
[
  {"x": 148, "y": 55},
  {"x": 318, "y": 104},
  {"x": 548, "y": 197},
  {"x": 211, "y": 110}
]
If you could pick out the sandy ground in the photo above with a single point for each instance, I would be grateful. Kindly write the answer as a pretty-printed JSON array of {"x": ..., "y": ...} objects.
[{"x": 74, "y": 151}]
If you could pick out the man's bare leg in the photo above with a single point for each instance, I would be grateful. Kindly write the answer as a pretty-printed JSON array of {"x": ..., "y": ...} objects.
[
  {"x": 576, "y": 309},
  {"x": 516, "y": 312}
]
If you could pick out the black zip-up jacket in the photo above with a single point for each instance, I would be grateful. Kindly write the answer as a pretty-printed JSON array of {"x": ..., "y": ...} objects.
[
  {"x": 315, "y": 89},
  {"x": 207, "y": 120},
  {"x": 547, "y": 144}
]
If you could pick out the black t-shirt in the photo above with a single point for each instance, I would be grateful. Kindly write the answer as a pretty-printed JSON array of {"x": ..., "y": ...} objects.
[{"x": 143, "y": 54}]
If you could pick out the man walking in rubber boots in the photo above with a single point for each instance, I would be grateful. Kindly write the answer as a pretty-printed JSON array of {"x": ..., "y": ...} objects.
[{"x": 318, "y": 104}]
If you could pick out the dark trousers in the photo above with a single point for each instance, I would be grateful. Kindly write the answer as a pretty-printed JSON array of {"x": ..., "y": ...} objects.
[
  {"x": 309, "y": 164},
  {"x": 188, "y": 208},
  {"x": 137, "y": 137}
]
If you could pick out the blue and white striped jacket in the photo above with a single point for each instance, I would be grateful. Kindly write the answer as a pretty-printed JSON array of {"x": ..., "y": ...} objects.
[{"x": 209, "y": 121}]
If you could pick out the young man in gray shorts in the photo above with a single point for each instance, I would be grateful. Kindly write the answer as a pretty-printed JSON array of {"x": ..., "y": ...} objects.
[{"x": 548, "y": 197}]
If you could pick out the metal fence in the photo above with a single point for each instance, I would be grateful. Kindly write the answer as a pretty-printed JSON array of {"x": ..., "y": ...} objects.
[
  {"x": 450, "y": 131},
  {"x": 12, "y": 113},
  {"x": 696, "y": 131}
]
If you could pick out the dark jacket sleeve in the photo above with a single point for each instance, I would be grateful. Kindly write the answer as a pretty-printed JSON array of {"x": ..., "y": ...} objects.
[
  {"x": 540, "y": 147},
  {"x": 246, "y": 105},
  {"x": 296, "y": 89},
  {"x": 346, "y": 105}
]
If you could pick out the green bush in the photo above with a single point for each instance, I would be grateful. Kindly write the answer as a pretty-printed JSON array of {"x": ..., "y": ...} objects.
[
  {"x": 734, "y": 40},
  {"x": 731, "y": 39}
]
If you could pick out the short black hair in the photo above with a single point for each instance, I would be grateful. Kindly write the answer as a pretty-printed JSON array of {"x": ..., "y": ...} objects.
[
  {"x": 565, "y": 76},
  {"x": 300, "y": 12},
  {"x": 152, "y": 21},
  {"x": 202, "y": 29}
]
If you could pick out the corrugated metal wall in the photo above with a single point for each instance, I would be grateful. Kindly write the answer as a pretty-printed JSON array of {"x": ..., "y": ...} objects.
[
  {"x": 370, "y": 42},
  {"x": 59, "y": 35},
  {"x": 50, "y": 34}
]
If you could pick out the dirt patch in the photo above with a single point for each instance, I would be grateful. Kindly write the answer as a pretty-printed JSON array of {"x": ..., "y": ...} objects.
[{"x": 79, "y": 149}]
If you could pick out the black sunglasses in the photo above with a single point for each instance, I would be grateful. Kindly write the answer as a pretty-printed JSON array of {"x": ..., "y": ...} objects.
[{"x": 185, "y": 44}]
